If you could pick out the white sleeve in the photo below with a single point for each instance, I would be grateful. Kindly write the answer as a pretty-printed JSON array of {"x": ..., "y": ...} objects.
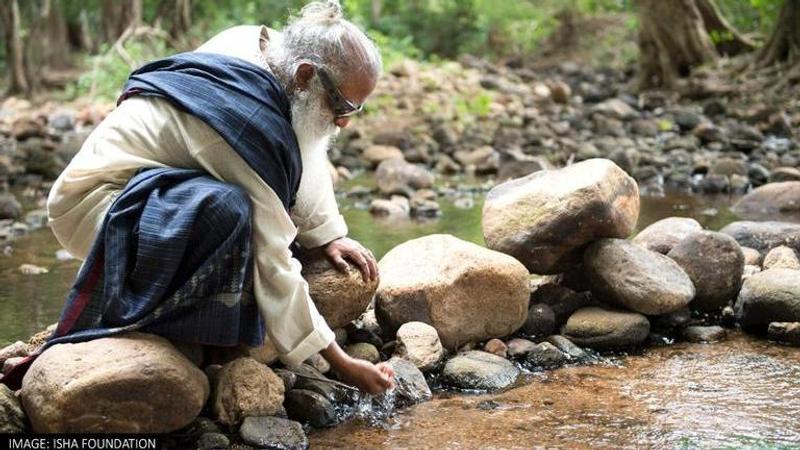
[
  {"x": 315, "y": 212},
  {"x": 293, "y": 323}
]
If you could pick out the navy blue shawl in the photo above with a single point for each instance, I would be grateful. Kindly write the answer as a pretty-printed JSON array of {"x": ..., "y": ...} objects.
[{"x": 242, "y": 102}]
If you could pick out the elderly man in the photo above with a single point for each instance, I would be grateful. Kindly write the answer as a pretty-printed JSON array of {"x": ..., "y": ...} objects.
[{"x": 185, "y": 200}]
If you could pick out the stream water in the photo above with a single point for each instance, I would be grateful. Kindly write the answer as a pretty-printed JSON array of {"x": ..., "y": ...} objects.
[{"x": 740, "y": 393}]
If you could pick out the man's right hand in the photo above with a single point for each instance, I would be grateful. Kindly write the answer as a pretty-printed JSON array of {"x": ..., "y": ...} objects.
[{"x": 370, "y": 378}]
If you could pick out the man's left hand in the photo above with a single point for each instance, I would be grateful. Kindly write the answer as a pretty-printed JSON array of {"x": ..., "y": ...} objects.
[{"x": 345, "y": 249}]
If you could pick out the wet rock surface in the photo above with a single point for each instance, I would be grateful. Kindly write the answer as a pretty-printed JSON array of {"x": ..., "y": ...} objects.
[
  {"x": 479, "y": 370},
  {"x": 273, "y": 432}
]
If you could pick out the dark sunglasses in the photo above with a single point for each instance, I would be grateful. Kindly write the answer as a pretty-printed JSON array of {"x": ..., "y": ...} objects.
[{"x": 342, "y": 107}]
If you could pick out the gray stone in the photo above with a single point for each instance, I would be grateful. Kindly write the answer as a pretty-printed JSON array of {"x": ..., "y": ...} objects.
[
  {"x": 547, "y": 356},
  {"x": 479, "y": 370},
  {"x": 273, "y": 433},
  {"x": 12, "y": 417},
  {"x": 664, "y": 234},
  {"x": 213, "y": 441},
  {"x": 396, "y": 176},
  {"x": 712, "y": 333},
  {"x": 10, "y": 208},
  {"x": 769, "y": 296},
  {"x": 310, "y": 407},
  {"x": 636, "y": 278},
  {"x": 764, "y": 236},
  {"x": 410, "y": 385},
  {"x": 541, "y": 321},
  {"x": 561, "y": 299},
  {"x": 288, "y": 377},
  {"x": 573, "y": 352},
  {"x": 310, "y": 379},
  {"x": 786, "y": 332},
  {"x": 715, "y": 263},
  {"x": 604, "y": 329}
]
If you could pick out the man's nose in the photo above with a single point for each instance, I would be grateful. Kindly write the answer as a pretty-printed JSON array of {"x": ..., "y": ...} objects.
[{"x": 341, "y": 122}]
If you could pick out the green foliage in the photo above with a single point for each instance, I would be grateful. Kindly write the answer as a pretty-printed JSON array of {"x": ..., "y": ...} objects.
[
  {"x": 474, "y": 107},
  {"x": 107, "y": 71},
  {"x": 751, "y": 15}
]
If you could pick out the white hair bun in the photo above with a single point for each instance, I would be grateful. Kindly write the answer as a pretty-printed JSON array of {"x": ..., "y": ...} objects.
[{"x": 327, "y": 10}]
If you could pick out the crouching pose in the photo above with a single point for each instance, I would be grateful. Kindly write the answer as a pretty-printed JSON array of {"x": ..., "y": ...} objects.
[{"x": 185, "y": 200}]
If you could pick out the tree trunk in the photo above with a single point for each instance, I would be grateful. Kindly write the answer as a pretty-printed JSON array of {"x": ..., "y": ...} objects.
[
  {"x": 672, "y": 40},
  {"x": 117, "y": 15},
  {"x": 784, "y": 43},
  {"x": 375, "y": 11},
  {"x": 9, "y": 13},
  {"x": 181, "y": 19},
  {"x": 729, "y": 41}
]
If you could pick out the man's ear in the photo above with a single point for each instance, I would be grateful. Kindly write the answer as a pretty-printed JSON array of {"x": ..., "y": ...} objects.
[{"x": 302, "y": 77}]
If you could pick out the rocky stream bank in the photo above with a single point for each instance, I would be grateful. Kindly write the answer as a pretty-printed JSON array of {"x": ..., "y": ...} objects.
[{"x": 560, "y": 281}]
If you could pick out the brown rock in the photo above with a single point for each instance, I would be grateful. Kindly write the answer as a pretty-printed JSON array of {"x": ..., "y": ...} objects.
[
  {"x": 715, "y": 263},
  {"x": 546, "y": 218},
  {"x": 376, "y": 154},
  {"x": 340, "y": 297},
  {"x": 466, "y": 292},
  {"x": 245, "y": 387},
  {"x": 396, "y": 176},
  {"x": 134, "y": 383},
  {"x": 496, "y": 347}
]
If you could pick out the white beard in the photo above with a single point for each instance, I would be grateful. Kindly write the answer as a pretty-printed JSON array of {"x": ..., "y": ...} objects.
[{"x": 312, "y": 123}]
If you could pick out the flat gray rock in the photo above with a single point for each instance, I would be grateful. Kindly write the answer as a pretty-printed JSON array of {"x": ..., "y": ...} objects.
[
  {"x": 479, "y": 370},
  {"x": 702, "y": 334},
  {"x": 273, "y": 433},
  {"x": 769, "y": 296}
]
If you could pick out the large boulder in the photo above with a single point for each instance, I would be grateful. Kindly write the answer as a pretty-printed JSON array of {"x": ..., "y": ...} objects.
[
  {"x": 764, "y": 236},
  {"x": 773, "y": 201},
  {"x": 546, "y": 218},
  {"x": 769, "y": 296},
  {"x": 604, "y": 329},
  {"x": 466, "y": 292},
  {"x": 245, "y": 387},
  {"x": 396, "y": 176},
  {"x": 134, "y": 383},
  {"x": 479, "y": 370},
  {"x": 376, "y": 154},
  {"x": 664, "y": 234},
  {"x": 714, "y": 263},
  {"x": 339, "y": 297},
  {"x": 638, "y": 279},
  {"x": 419, "y": 343}
]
